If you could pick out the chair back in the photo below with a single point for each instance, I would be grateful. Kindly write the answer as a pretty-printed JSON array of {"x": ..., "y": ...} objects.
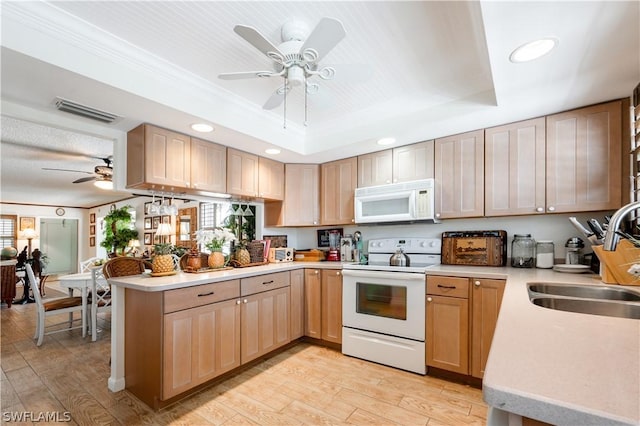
[
  {"x": 124, "y": 266},
  {"x": 85, "y": 265},
  {"x": 34, "y": 283}
]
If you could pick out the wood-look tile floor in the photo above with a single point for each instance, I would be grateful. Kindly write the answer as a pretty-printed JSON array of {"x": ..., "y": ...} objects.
[{"x": 304, "y": 385}]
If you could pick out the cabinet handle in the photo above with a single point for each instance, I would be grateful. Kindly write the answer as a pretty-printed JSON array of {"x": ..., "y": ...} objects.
[
  {"x": 551, "y": 209},
  {"x": 429, "y": 299},
  {"x": 206, "y": 294},
  {"x": 338, "y": 273},
  {"x": 267, "y": 282},
  {"x": 476, "y": 283},
  {"x": 245, "y": 301},
  {"x": 316, "y": 272},
  {"x": 237, "y": 302},
  {"x": 446, "y": 286},
  {"x": 539, "y": 210},
  {"x": 437, "y": 214}
]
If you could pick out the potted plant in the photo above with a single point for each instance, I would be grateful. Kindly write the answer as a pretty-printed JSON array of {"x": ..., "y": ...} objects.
[
  {"x": 214, "y": 240},
  {"x": 162, "y": 259},
  {"x": 117, "y": 231}
]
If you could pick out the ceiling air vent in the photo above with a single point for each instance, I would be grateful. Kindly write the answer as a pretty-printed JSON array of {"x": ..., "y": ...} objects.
[{"x": 84, "y": 111}]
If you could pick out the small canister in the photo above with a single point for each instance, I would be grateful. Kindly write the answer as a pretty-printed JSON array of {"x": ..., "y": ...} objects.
[
  {"x": 544, "y": 254},
  {"x": 522, "y": 251},
  {"x": 574, "y": 248}
]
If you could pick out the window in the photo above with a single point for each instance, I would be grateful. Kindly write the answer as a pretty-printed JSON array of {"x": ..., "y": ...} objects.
[
  {"x": 8, "y": 237},
  {"x": 213, "y": 215}
]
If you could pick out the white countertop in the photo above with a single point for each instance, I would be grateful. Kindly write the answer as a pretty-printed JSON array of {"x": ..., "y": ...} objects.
[
  {"x": 559, "y": 367},
  {"x": 555, "y": 366}
]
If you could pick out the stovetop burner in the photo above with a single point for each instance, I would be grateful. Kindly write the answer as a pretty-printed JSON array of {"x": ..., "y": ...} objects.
[{"x": 422, "y": 252}]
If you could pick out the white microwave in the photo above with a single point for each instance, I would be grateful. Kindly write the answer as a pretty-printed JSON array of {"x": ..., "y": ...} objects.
[{"x": 396, "y": 202}]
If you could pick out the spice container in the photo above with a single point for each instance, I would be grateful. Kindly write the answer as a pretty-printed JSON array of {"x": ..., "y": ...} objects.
[
  {"x": 522, "y": 251},
  {"x": 544, "y": 254}
]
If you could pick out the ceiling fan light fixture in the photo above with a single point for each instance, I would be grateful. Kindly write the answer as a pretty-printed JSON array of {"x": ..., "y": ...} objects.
[
  {"x": 533, "y": 50},
  {"x": 104, "y": 184},
  {"x": 202, "y": 127},
  {"x": 295, "y": 75}
]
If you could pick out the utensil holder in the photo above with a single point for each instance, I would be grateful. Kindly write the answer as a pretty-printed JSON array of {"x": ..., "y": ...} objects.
[{"x": 615, "y": 264}]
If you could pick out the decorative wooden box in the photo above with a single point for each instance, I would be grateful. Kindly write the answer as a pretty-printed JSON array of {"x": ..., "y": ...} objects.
[{"x": 476, "y": 248}]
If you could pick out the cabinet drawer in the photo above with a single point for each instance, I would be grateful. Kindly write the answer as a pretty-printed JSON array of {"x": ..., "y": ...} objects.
[
  {"x": 262, "y": 283},
  {"x": 448, "y": 286},
  {"x": 185, "y": 298}
]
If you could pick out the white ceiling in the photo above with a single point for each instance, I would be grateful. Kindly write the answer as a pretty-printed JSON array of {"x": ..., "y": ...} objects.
[{"x": 411, "y": 70}]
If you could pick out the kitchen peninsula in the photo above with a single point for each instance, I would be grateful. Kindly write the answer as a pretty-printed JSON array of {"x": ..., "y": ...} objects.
[{"x": 554, "y": 366}]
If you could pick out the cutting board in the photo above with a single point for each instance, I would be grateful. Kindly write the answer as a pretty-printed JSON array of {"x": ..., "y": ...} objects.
[{"x": 615, "y": 264}]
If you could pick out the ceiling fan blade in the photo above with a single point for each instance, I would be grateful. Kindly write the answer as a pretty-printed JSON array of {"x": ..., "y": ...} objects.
[
  {"x": 257, "y": 40},
  {"x": 246, "y": 74},
  {"x": 276, "y": 98},
  {"x": 324, "y": 37},
  {"x": 67, "y": 170},
  {"x": 85, "y": 179}
]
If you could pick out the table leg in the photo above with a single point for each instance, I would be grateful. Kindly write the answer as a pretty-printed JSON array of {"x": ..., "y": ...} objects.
[{"x": 84, "y": 311}]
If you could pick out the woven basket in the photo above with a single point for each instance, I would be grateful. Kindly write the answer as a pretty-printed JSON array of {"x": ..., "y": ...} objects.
[{"x": 256, "y": 252}]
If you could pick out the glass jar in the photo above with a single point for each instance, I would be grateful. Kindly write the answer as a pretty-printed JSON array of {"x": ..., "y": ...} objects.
[
  {"x": 544, "y": 254},
  {"x": 522, "y": 251}
]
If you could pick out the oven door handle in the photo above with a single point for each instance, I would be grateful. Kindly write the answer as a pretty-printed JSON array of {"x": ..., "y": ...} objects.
[{"x": 406, "y": 276}]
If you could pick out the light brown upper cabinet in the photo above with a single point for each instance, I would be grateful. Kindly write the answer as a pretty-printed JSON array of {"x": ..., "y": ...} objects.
[
  {"x": 301, "y": 199},
  {"x": 515, "y": 168},
  {"x": 584, "y": 159},
  {"x": 158, "y": 158},
  {"x": 270, "y": 179},
  {"x": 208, "y": 166},
  {"x": 242, "y": 173},
  {"x": 402, "y": 164},
  {"x": 459, "y": 175},
  {"x": 337, "y": 189}
]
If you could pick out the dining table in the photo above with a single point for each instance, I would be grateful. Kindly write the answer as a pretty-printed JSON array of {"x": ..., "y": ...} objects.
[{"x": 86, "y": 282}]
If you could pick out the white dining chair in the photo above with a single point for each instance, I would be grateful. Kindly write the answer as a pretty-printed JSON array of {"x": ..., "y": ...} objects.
[
  {"x": 62, "y": 305},
  {"x": 85, "y": 265},
  {"x": 100, "y": 300}
]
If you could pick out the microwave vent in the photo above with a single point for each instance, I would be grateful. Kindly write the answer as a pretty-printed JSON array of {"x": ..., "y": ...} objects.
[{"x": 84, "y": 111}]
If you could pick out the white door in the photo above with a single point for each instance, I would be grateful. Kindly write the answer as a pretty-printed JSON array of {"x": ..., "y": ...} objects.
[{"x": 59, "y": 242}]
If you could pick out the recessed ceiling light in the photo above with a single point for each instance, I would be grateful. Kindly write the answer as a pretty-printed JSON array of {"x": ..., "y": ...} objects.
[
  {"x": 202, "y": 127},
  {"x": 533, "y": 50},
  {"x": 272, "y": 151},
  {"x": 386, "y": 141}
]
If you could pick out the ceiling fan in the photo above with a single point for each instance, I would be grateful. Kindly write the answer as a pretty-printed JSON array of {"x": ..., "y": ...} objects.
[
  {"x": 295, "y": 59},
  {"x": 100, "y": 173}
]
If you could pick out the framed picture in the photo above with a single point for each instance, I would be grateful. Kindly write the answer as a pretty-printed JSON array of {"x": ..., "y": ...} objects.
[
  {"x": 147, "y": 222},
  {"x": 166, "y": 219},
  {"x": 148, "y": 238},
  {"x": 27, "y": 222},
  {"x": 92, "y": 241},
  {"x": 92, "y": 230},
  {"x": 155, "y": 222},
  {"x": 146, "y": 207},
  {"x": 92, "y": 218}
]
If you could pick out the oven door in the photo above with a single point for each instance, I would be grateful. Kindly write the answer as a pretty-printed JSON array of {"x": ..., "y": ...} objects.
[{"x": 390, "y": 303}]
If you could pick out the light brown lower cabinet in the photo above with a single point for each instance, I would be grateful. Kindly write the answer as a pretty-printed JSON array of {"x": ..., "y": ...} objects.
[
  {"x": 178, "y": 339},
  {"x": 296, "y": 304},
  {"x": 323, "y": 304},
  {"x": 461, "y": 320}
]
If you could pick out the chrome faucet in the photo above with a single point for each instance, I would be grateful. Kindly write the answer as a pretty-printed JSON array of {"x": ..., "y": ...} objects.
[{"x": 611, "y": 238}]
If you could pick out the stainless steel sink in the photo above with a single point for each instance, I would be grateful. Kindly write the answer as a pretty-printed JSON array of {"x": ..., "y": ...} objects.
[
  {"x": 583, "y": 291},
  {"x": 589, "y": 306}
]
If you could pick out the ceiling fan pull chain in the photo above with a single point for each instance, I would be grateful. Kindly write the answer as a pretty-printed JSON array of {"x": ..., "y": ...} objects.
[
  {"x": 305, "y": 100},
  {"x": 286, "y": 82}
]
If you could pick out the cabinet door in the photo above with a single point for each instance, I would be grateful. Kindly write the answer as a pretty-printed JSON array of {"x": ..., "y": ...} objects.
[
  {"x": 301, "y": 206},
  {"x": 296, "y": 306},
  {"x": 448, "y": 333},
  {"x": 486, "y": 298},
  {"x": 459, "y": 175},
  {"x": 583, "y": 159},
  {"x": 312, "y": 303},
  {"x": 332, "y": 306},
  {"x": 208, "y": 166},
  {"x": 199, "y": 344},
  {"x": 338, "y": 183},
  {"x": 167, "y": 157},
  {"x": 265, "y": 323},
  {"x": 413, "y": 162},
  {"x": 270, "y": 179},
  {"x": 242, "y": 173},
  {"x": 375, "y": 168},
  {"x": 515, "y": 168}
]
